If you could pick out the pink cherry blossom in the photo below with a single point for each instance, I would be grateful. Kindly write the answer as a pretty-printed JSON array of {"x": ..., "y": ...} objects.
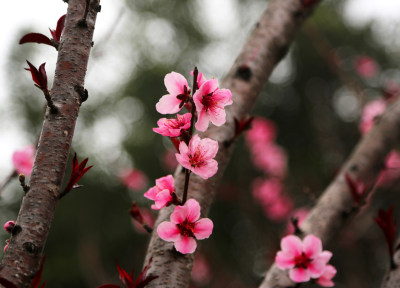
[
  {"x": 198, "y": 156},
  {"x": 304, "y": 259},
  {"x": 23, "y": 160},
  {"x": 179, "y": 92},
  {"x": 185, "y": 227},
  {"x": 366, "y": 66},
  {"x": 370, "y": 112},
  {"x": 210, "y": 102},
  {"x": 280, "y": 209},
  {"x": 267, "y": 190},
  {"x": 134, "y": 179},
  {"x": 326, "y": 278},
  {"x": 162, "y": 192},
  {"x": 173, "y": 127}
]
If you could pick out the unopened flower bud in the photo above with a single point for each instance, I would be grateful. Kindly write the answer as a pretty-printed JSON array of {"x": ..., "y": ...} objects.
[{"x": 9, "y": 226}]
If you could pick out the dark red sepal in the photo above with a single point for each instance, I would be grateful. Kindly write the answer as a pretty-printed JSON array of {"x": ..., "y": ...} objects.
[
  {"x": 35, "y": 38},
  {"x": 143, "y": 279},
  {"x": 243, "y": 124},
  {"x": 388, "y": 226}
]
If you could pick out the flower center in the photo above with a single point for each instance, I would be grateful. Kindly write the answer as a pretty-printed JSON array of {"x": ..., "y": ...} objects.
[
  {"x": 302, "y": 261},
  {"x": 184, "y": 97},
  {"x": 186, "y": 228},
  {"x": 208, "y": 101},
  {"x": 196, "y": 159}
]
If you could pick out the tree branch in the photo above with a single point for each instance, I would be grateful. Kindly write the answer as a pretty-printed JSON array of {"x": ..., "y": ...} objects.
[
  {"x": 332, "y": 209},
  {"x": 266, "y": 46},
  {"x": 392, "y": 277},
  {"x": 24, "y": 253}
]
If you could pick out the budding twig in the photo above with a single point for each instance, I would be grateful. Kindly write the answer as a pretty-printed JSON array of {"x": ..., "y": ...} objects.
[{"x": 24, "y": 186}]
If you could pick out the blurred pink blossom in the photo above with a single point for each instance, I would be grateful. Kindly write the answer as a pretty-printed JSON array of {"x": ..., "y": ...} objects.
[
  {"x": 23, "y": 160},
  {"x": 148, "y": 218},
  {"x": 134, "y": 179},
  {"x": 366, "y": 66},
  {"x": 371, "y": 110},
  {"x": 280, "y": 209},
  {"x": 271, "y": 159},
  {"x": 262, "y": 132},
  {"x": 201, "y": 273},
  {"x": 326, "y": 278},
  {"x": 391, "y": 172}
]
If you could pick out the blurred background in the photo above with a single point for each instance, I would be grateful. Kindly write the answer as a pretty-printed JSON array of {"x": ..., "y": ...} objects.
[{"x": 345, "y": 57}]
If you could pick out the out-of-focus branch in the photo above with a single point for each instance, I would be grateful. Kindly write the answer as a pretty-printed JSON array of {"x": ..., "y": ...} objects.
[
  {"x": 267, "y": 44},
  {"x": 7, "y": 180},
  {"x": 326, "y": 51},
  {"x": 25, "y": 250},
  {"x": 392, "y": 277},
  {"x": 332, "y": 209}
]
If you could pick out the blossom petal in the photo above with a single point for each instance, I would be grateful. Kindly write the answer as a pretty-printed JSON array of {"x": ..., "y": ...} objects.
[
  {"x": 179, "y": 215},
  {"x": 203, "y": 228},
  {"x": 168, "y": 231},
  {"x": 312, "y": 246},
  {"x": 193, "y": 210},
  {"x": 151, "y": 193},
  {"x": 316, "y": 267},
  {"x": 326, "y": 278},
  {"x": 162, "y": 199},
  {"x": 166, "y": 182},
  {"x": 174, "y": 82},
  {"x": 292, "y": 245},
  {"x": 209, "y": 148},
  {"x": 208, "y": 170},
  {"x": 284, "y": 260},
  {"x": 185, "y": 245},
  {"x": 168, "y": 104},
  {"x": 202, "y": 121},
  {"x": 299, "y": 275},
  {"x": 217, "y": 116},
  {"x": 325, "y": 256}
]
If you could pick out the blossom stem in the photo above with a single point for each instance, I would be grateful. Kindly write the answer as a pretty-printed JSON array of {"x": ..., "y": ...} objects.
[
  {"x": 193, "y": 111},
  {"x": 185, "y": 189}
]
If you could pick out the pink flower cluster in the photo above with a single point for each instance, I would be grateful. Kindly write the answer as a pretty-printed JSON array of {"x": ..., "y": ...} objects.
[
  {"x": 195, "y": 154},
  {"x": 272, "y": 160},
  {"x": 134, "y": 179},
  {"x": 305, "y": 260}
]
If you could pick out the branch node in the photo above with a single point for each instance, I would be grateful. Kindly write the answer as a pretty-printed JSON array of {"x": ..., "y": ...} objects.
[
  {"x": 21, "y": 179},
  {"x": 50, "y": 103},
  {"x": 243, "y": 72},
  {"x": 16, "y": 230},
  {"x": 31, "y": 248},
  {"x": 82, "y": 92}
]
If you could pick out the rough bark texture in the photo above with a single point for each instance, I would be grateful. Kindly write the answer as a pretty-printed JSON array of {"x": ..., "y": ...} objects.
[
  {"x": 266, "y": 46},
  {"x": 334, "y": 206},
  {"x": 392, "y": 277},
  {"x": 27, "y": 242}
]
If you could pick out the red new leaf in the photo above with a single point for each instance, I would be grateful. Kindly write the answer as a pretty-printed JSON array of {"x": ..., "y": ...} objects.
[
  {"x": 357, "y": 188},
  {"x": 35, "y": 38},
  {"x": 56, "y": 34},
  {"x": 242, "y": 125},
  {"x": 135, "y": 213},
  {"x": 388, "y": 225},
  {"x": 78, "y": 170},
  {"x": 36, "y": 280},
  {"x": 38, "y": 76},
  {"x": 128, "y": 279}
]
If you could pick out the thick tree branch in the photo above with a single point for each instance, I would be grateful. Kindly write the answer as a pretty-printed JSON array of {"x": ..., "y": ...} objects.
[
  {"x": 266, "y": 46},
  {"x": 24, "y": 253},
  {"x": 332, "y": 209}
]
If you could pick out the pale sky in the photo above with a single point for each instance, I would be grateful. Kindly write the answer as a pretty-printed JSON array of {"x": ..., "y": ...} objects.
[{"x": 40, "y": 15}]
